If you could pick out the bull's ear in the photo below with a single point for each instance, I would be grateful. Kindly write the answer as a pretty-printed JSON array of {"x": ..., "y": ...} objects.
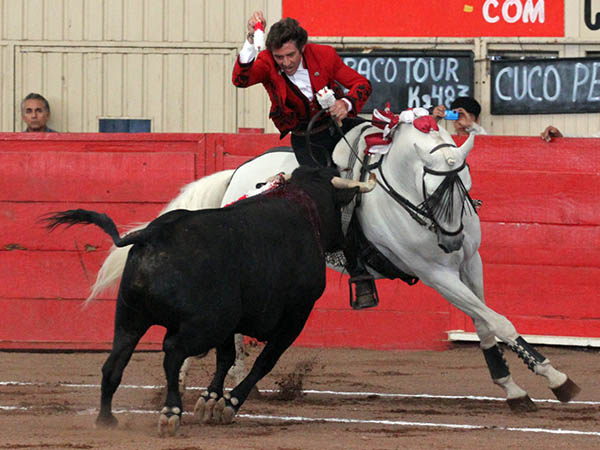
[{"x": 344, "y": 196}]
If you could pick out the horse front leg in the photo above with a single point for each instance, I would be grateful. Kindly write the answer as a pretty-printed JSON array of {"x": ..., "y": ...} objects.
[
  {"x": 561, "y": 385},
  {"x": 457, "y": 293},
  {"x": 471, "y": 274},
  {"x": 238, "y": 369}
]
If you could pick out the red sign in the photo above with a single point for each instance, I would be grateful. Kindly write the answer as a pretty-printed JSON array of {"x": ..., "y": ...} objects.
[{"x": 429, "y": 18}]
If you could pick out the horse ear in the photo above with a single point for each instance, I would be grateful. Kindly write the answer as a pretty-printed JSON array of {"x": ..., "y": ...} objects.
[
  {"x": 467, "y": 146},
  {"x": 423, "y": 153},
  {"x": 342, "y": 197}
]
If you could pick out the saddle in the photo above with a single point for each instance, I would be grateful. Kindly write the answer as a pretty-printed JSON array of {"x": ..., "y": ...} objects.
[{"x": 367, "y": 252}]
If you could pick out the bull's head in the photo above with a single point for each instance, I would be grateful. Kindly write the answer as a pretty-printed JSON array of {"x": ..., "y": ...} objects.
[{"x": 329, "y": 193}]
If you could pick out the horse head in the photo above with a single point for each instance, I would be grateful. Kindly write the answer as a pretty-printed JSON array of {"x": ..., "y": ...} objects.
[{"x": 441, "y": 177}]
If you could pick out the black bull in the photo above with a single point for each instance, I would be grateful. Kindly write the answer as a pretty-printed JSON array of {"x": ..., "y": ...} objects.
[{"x": 256, "y": 267}]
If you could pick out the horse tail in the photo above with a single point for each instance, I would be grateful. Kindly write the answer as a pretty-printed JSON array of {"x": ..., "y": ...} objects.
[{"x": 207, "y": 192}]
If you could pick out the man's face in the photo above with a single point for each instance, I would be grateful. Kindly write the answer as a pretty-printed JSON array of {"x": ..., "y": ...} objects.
[
  {"x": 35, "y": 115},
  {"x": 288, "y": 57}
]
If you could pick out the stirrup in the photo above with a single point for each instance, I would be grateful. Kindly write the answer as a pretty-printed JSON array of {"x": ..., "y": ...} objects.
[{"x": 365, "y": 299}]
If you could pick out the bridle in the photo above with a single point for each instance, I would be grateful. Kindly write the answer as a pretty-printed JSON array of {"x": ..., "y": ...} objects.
[
  {"x": 432, "y": 207},
  {"x": 440, "y": 204}
]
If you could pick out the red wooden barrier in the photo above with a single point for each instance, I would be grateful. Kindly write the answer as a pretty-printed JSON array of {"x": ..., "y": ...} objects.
[{"x": 540, "y": 227}]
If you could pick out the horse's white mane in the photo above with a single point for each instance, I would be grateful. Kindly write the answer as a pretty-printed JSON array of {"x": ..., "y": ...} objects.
[{"x": 342, "y": 152}]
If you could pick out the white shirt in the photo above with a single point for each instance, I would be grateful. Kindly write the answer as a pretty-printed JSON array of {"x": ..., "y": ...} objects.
[
  {"x": 301, "y": 78},
  {"x": 476, "y": 129}
]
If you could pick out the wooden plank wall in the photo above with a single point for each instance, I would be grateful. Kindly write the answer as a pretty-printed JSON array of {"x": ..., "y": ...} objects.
[
  {"x": 540, "y": 224},
  {"x": 45, "y": 278},
  {"x": 540, "y": 233}
]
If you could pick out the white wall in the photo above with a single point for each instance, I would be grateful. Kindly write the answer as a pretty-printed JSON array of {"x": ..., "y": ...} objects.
[{"x": 171, "y": 60}]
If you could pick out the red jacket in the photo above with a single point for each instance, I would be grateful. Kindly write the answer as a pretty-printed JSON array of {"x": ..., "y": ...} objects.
[{"x": 290, "y": 109}]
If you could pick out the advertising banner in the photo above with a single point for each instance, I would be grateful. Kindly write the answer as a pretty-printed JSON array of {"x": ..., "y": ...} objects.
[{"x": 429, "y": 18}]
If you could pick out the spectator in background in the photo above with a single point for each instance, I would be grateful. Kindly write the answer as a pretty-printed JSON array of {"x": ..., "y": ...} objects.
[
  {"x": 553, "y": 132},
  {"x": 35, "y": 112},
  {"x": 469, "y": 111}
]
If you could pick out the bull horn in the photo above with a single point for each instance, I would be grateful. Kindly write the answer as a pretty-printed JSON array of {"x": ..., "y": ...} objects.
[
  {"x": 467, "y": 146},
  {"x": 364, "y": 186}
]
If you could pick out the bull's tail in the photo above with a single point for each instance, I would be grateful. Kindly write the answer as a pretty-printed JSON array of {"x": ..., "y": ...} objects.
[
  {"x": 86, "y": 217},
  {"x": 207, "y": 192}
]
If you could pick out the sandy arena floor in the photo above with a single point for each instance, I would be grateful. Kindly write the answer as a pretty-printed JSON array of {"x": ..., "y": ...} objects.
[{"x": 441, "y": 400}]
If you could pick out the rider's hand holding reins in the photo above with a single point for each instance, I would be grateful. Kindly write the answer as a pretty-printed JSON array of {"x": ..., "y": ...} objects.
[{"x": 339, "y": 111}]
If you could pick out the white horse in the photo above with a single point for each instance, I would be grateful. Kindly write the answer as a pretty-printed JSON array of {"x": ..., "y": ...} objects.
[{"x": 421, "y": 219}]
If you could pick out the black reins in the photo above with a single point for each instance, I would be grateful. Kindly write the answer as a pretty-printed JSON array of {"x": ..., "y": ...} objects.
[
  {"x": 309, "y": 128},
  {"x": 414, "y": 211},
  {"x": 417, "y": 212}
]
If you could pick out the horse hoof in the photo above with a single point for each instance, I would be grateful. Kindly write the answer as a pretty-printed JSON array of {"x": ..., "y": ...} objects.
[
  {"x": 521, "y": 404},
  {"x": 566, "y": 391}
]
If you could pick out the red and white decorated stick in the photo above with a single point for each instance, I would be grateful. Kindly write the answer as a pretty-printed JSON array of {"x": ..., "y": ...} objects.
[{"x": 259, "y": 36}]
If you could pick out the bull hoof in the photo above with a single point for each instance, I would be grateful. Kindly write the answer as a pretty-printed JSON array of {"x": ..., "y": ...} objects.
[
  {"x": 228, "y": 415},
  {"x": 521, "y": 404},
  {"x": 169, "y": 421},
  {"x": 226, "y": 409},
  {"x": 109, "y": 421},
  {"x": 566, "y": 391},
  {"x": 204, "y": 408}
]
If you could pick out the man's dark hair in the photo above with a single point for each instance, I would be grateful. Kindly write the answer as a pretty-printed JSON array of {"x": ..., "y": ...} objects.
[
  {"x": 469, "y": 104},
  {"x": 34, "y": 96},
  {"x": 286, "y": 30}
]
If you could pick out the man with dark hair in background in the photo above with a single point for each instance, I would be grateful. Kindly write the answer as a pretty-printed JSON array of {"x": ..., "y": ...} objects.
[
  {"x": 35, "y": 111},
  {"x": 293, "y": 71},
  {"x": 469, "y": 111}
]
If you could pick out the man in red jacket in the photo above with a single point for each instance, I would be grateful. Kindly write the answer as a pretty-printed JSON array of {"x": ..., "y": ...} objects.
[{"x": 292, "y": 72}]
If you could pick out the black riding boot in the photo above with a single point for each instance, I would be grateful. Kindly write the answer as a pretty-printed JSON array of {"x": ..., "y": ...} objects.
[{"x": 363, "y": 292}]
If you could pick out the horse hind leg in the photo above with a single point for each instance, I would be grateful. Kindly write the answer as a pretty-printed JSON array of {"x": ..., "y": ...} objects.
[{"x": 561, "y": 385}]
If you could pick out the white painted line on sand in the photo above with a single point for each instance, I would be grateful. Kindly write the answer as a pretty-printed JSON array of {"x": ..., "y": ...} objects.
[
  {"x": 398, "y": 423},
  {"x": 311, "y": 391}
]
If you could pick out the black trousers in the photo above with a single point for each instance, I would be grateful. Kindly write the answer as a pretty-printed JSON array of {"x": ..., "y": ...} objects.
[{"x": 322, "y": 144}]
